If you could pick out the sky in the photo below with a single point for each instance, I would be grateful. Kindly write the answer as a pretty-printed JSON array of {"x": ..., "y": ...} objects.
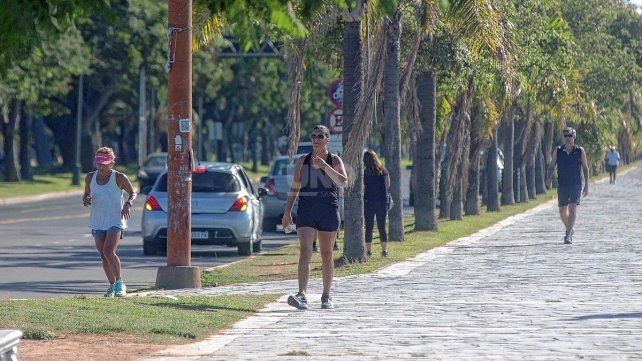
[{"x": 636, "y": 2}]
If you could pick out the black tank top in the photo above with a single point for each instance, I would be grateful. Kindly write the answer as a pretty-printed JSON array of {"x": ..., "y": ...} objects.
[
  {"x": 317, "y": 188},
  {"x": 375, "y": 188},
  {"x": 569, "y": 166}
]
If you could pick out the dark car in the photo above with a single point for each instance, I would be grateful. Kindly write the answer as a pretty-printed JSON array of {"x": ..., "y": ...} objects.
[{"x": 153, "y": 166}]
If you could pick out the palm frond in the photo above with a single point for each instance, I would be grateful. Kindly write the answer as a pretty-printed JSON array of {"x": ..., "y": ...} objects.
[
  {"x": 207, "y": 28},
  {"x": 427, "y": 12},
  {"x": 296, "y": 49}
]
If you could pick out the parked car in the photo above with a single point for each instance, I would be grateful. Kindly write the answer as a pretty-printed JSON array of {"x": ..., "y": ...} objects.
[
  {"x": 278, "y": 184},
  {"x": 226, "y": 210},
  {"x": 154, "y": 165}
]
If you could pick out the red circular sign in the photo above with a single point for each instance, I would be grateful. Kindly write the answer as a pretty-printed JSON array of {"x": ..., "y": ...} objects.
[{"x": 335, "y": 121}]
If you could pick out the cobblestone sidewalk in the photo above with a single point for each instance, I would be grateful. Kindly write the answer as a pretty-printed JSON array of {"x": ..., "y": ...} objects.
[{"x": 512, "y": 291}]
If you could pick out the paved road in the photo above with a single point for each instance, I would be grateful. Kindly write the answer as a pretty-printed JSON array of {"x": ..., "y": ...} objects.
[
  {"x": 513, "y": 291},
  {"x": 46, "y": 250}
]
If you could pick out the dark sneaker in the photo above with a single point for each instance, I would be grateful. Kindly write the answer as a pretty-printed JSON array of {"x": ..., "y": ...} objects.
[
  {"x": 326, "y": 302},
  {"x": 299, "y": 301},
  {"x": 567, "y": 239},
  {"x": 384, "y": 254}
]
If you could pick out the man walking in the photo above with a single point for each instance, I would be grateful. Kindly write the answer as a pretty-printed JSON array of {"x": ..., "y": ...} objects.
[
  {"x": 571, "y": 163},
  {"x": 612, "y": 162}
]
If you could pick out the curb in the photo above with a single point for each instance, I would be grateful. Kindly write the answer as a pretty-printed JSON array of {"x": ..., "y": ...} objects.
[{"x": 40, "y": 197}]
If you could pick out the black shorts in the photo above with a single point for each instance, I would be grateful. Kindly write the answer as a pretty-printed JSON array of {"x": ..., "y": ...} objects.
[
  {"x": 322, "y": 218},
  {"x": 611, "y": 168},
  {"x": 568, "y": 195}
]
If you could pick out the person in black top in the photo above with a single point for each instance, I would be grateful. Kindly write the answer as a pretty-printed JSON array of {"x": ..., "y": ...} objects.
[
  {"x": 571, "y": 163},
  {"x": 317, "y": 177},
  {"x": 375, "y": 199}
]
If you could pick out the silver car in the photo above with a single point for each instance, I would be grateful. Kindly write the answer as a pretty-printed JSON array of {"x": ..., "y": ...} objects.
[
  {"x": 226, "y": 210},
  {"x": 278, "y": 185}
]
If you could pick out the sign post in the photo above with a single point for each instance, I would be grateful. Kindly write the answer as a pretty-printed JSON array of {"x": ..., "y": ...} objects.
[{"x": 335, "y": 117}]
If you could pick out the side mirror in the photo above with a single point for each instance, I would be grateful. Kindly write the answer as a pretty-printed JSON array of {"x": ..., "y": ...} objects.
[
  {"x": 262, "y": 192},
  {"x": 263, "y": 180},
  {"x": 146, "y": 190}
]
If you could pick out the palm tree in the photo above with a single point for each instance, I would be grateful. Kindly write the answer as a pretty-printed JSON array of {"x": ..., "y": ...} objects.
[
  {"x": 392, "y": 107},
  {"x": 354, "y": 240},
  {"x": 424, "y": 172}
]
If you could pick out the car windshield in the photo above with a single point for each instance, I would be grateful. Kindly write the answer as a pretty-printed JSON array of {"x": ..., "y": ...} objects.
[
  {"x": 208, "y": 182},
  {"x": 157, "y": 161}
]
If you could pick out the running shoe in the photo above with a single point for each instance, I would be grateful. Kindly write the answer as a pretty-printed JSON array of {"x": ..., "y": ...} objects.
[
  {"x": 299, "y": 301},
  {"x": 326, "y": 302},
  {"x": 110, "y": 291},
  {"x": 120, "y": 290}
]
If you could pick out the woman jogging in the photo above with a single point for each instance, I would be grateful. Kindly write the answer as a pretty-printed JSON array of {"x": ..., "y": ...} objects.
[
  {"x": 109, "y": 214},
  {"x": 317, "y": 177},
  {"x": 375, "y": 200}
]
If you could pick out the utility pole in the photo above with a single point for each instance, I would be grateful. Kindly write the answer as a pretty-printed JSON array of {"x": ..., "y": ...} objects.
[
  {"x": 75, "y": 179},
  {"x": 179, "y": 273},
  {"x": 142, "y": 118}
]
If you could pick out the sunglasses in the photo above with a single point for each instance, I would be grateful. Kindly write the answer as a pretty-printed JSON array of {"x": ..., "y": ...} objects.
[
  {"x": 317, "y": 136},
  {"x": 568, "y": 135}
]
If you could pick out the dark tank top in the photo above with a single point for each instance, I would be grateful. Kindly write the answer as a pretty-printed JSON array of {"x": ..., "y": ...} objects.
[
  {"x": 569, "y": 167},
  {"x": 375, "y": 190},
  {"x": 317, "y": 188}
]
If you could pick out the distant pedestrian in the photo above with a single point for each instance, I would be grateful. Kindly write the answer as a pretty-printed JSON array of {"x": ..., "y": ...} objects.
[
  {"x": 571, "y": 163},
  {"x": 109, "y": 214},
  {"x": 317, "y": 177},
  {"x": 612, "y": 161},
  {"x": 375, "y": 200}
]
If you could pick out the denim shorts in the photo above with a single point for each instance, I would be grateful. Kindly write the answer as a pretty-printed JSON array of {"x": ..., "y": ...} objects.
[{"x": 103, "y": 232}]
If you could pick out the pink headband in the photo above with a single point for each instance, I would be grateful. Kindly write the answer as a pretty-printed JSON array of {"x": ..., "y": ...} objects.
[{"x": 103, "y": 159}]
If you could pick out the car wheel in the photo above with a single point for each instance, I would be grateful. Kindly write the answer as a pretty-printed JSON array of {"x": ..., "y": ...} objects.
[
  {"x": 269, "y": 224},
  {"x": 154, "y": 247},
  {"x": 257, "y": 246},
  {"x": 245, "y": 249},
  {"x": 150, "y": 248}
]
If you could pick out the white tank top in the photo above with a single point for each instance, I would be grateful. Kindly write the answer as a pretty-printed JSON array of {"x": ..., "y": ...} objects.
[{"x": 107, "y": 203}]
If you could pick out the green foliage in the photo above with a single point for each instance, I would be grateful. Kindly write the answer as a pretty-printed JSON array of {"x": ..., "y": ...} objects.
[{"x": 25, "y": 24}]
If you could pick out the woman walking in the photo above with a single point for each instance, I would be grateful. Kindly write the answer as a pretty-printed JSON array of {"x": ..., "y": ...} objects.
[
  {"x": 317, "y": 177},
  {"x": 375, "y": 200},
  {"x": 109, "y": 214}
]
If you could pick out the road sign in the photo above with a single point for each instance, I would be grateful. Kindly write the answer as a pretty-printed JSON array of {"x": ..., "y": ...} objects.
[
  {"x": 335, "y": 121},
  {"x": 335, "y": 93},
  {"x": 336, "y": 144}
]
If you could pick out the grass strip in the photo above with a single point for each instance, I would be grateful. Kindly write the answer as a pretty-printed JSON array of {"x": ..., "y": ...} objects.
[
  {"x": 281, "y": 264},
  {"x": 151, "y": 319},
  {"x": 52, "y": 182}
]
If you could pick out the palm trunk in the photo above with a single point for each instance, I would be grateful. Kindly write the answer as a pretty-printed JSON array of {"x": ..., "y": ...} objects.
[
  {"x": 26, "y": 173},
  {"x": 508, "y": 196},
  {"x": 540, "y": 169},
  {"x": 424, "y": 169},
  {"x": 456, "y": 213},
  {"x": 534, "y": 139},
  {"x": 392, "y": 139},
  {"x": 354, "y": 250},
  {"x": 548, "y": 145},
  {"x": 9, "y": 127},
  {"x": 472, "y": 192},
  {"x": 492, "y": 198}
]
